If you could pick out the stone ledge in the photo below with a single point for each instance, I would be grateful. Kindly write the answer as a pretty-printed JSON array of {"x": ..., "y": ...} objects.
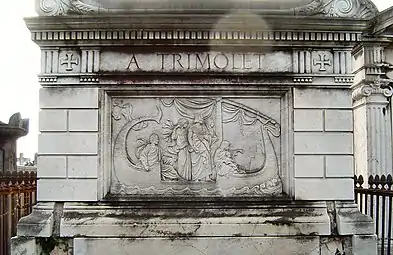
[
  {"x": 195, "y": 246},
  {"x": 196, "y": 222},
  {"x": 350, "y": 221},
  {"x": 39, "y": 223}
]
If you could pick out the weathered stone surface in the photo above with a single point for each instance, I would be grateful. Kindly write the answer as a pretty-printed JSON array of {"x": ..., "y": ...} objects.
[
  {"x": 364, "y": 244},
  {"x": 309, "y": 166},
  {"x": 322, "y": 98},
  {"x": 52, "y": 167},
  {"x": 53, "y": 120},
  {"x": 323, "y": 143},
  {"x": 24, "y": 246},
  {"x": 82, "y": 166},
  {"x": 193, "y": 246},
  {"x": 67, "y": 190},
  {"x": 338, "y": 120},
  {"x": 324, "y": 189},
  {"x": 308, "y": 120},
  {"x": 68, "y": 98},
  {"x": 129, "y": 221},
  {"x": 39, "y": 223},
  {"x": 83, "y": 120},
  {"x": 68, "y": 143},
  {"x": 339, "y": 166},
  {"x": 350, "y": 221}
]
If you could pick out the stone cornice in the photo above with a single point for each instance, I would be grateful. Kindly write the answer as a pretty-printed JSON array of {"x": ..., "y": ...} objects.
[
  {"x": 360, "y": 9},
  {"x": 199, "y": 30},
  {"x": 202, "y": 21}
]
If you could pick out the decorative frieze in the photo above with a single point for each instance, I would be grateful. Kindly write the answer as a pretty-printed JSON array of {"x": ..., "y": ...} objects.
[{"x": 88, "y": 62}]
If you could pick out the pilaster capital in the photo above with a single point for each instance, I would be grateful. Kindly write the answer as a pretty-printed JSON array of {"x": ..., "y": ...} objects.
[{"x": 369, "y": 87}]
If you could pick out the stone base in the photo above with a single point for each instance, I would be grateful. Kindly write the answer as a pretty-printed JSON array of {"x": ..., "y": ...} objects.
[{"x": 292, "y": 228}]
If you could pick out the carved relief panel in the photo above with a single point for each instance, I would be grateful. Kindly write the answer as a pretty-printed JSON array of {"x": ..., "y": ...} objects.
[{"x": 196, "y": 146}]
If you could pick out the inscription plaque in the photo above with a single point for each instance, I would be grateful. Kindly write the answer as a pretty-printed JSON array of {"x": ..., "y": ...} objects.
[
  {"x": 197, "y": 62},
  {"x": 199, "y": 146}
]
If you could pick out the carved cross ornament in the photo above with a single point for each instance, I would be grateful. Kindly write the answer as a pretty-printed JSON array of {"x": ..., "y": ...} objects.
[
  {"x": 322, "y": 62},
  {"x": 69, "y": 61}
]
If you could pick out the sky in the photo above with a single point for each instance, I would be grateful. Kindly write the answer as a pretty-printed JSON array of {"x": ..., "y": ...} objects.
[{"x": 20, "y": 64}]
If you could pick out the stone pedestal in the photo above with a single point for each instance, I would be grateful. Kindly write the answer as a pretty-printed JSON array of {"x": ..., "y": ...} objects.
[
  {"x": 9, "y": 134},
  {"x": 201, "y": 131}
]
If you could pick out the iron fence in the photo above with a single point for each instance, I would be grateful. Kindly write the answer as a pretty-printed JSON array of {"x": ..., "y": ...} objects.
[
  {"x": 374, "y": 197},
  {"x": 17, "y": 197}
]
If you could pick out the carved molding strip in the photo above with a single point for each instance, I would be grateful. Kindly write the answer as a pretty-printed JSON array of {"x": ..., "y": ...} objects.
[
  {"x": 303, "y": 79},
  {"x": 51, "y": 79},
  {"x": 195, "y": 35},
  {"x": 362, "y": 9},
  {"x": 89, "y": 79},
  {"x": 373, "y": 87},
  {"x": 343, "y": 79}
]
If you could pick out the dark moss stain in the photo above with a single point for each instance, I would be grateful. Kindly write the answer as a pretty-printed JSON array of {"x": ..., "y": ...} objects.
[
  {"x": 48, "y": 244},
  {"x": 176, "y": 235},
  {"x": 282, "y": 221}
]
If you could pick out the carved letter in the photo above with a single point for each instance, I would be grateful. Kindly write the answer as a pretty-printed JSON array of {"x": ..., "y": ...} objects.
[
  {"x": 206, "y": 60},
  {"x": 176, "y": 58},
  {"x": 162, "y": 59},
  {"x": 246, "y": 61},
  {"x": 133, "y": 61},
  {"x": 226, "y": 60},
  {"x": 234, "y": 63},
  {"x": 260, "y": 61}
]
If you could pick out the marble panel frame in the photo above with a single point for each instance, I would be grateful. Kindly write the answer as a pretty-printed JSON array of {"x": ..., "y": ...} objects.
[{"x": 107, "y": 94}]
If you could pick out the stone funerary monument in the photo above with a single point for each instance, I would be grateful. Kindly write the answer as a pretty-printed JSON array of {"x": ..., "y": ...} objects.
[{"x": 208, "y": 127}]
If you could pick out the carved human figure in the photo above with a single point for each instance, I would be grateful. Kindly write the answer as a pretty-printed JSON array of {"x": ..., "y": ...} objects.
[
  {"x": 223, "y": 161},
  {"x": 181, "y": 148},
  {"x": 200, "y": 140},
  {"x": 149, "y": 154}
]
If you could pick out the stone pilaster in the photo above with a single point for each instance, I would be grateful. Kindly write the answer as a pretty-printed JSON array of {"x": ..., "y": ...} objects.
[
  {"x": 372, "y": 127},
  {"x": 371, "y": 94}
]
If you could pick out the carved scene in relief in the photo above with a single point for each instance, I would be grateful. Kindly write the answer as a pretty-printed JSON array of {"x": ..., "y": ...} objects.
[{"x": 195, "y": 146}]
